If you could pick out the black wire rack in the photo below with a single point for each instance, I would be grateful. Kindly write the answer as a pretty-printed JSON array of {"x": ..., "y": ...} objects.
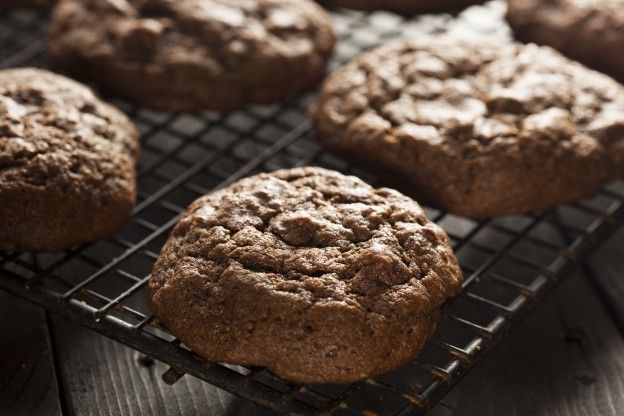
[{"x": 510, "y": 264}]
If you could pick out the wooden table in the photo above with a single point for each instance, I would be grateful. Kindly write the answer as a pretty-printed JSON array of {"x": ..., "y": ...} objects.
[{"x": 566, "y": 359}]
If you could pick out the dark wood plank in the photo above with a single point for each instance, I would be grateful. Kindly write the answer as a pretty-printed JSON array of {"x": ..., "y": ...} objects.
[
  {"x": 606, "y": 270},
  {"x": 28, "y": 382},
  {"x": 104, "y": 378},
  {"x": 565, "y": 360}
]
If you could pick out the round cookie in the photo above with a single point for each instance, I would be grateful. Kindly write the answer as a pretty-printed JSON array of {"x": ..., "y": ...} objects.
[
  {"x": 477, "y": 128},
  {"x": 67, "y": 161},
  {"x": 406, "y": 7},
  {"x": 591, "y": 32},
  {"x": 315, "y": 275},
  {"x": 187, "y": 55}
]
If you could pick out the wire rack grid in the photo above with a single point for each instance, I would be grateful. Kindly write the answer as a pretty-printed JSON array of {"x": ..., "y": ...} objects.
[{"x": 510, "y": 264}]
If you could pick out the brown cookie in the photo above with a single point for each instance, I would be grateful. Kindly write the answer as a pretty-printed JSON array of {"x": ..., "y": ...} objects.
[
  {"x": 406, "y": 7},
  {"x": 66, "y": 163},
  {"x": 315, "y": 275},
  {"x": 475, "y": 128},
  {"x": 193, "y": 54},
  {"x": 591, "y": 32}
]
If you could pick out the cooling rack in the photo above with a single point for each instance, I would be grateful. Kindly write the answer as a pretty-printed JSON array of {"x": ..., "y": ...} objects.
[{"x": 510, "y": 263}]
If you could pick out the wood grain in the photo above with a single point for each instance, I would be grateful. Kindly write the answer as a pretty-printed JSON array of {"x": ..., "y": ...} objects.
[
  {"x": 606, "y": 271},
  {"x": 28, "y": 381},
  {"x": 104, "y": 378},
  {"x": 566, "y": 360}
]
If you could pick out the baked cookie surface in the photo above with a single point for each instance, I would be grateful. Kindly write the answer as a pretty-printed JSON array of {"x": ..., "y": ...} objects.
[
  {"x": 590, "y": 31},
  {"x": 192, "y": 55},
  {"x": 67, "y": 159},
  {"x": 407, "y": 7},
  {"x": 475, "y": 128},
  {"x": 315, "y": 275}
]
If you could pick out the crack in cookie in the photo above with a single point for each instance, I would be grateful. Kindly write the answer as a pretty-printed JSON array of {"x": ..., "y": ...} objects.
[{"x": 313, "y": 262}]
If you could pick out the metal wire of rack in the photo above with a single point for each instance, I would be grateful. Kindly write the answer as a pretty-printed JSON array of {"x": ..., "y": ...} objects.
[{"x": 510, "y": 263}]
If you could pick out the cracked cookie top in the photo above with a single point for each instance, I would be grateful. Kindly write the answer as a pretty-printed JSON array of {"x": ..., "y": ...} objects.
[
  {"x": 473, "y": 98},
  {"x": 195, "y": 53},
  {"x": 312, "y": 273},
  {"x": 224, "y": 33},
  {"x": 67, "y": 163},
  {"x": 55, "y": 131},
  {"x": 316, "y": 234},
  {"x": 591, "y": 31},
  {"x": 476, "y": 127}
]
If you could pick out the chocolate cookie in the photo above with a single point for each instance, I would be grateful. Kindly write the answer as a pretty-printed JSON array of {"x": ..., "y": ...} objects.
[
  {"x": 406, "y": 7},
  {"x": 193, "y": 54},
  {"x": 315, "y": 275},
  {"x": 475, "y": 128},
  {"x": 589, "y": 31},
  {"x": 66, "y": 163}
]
